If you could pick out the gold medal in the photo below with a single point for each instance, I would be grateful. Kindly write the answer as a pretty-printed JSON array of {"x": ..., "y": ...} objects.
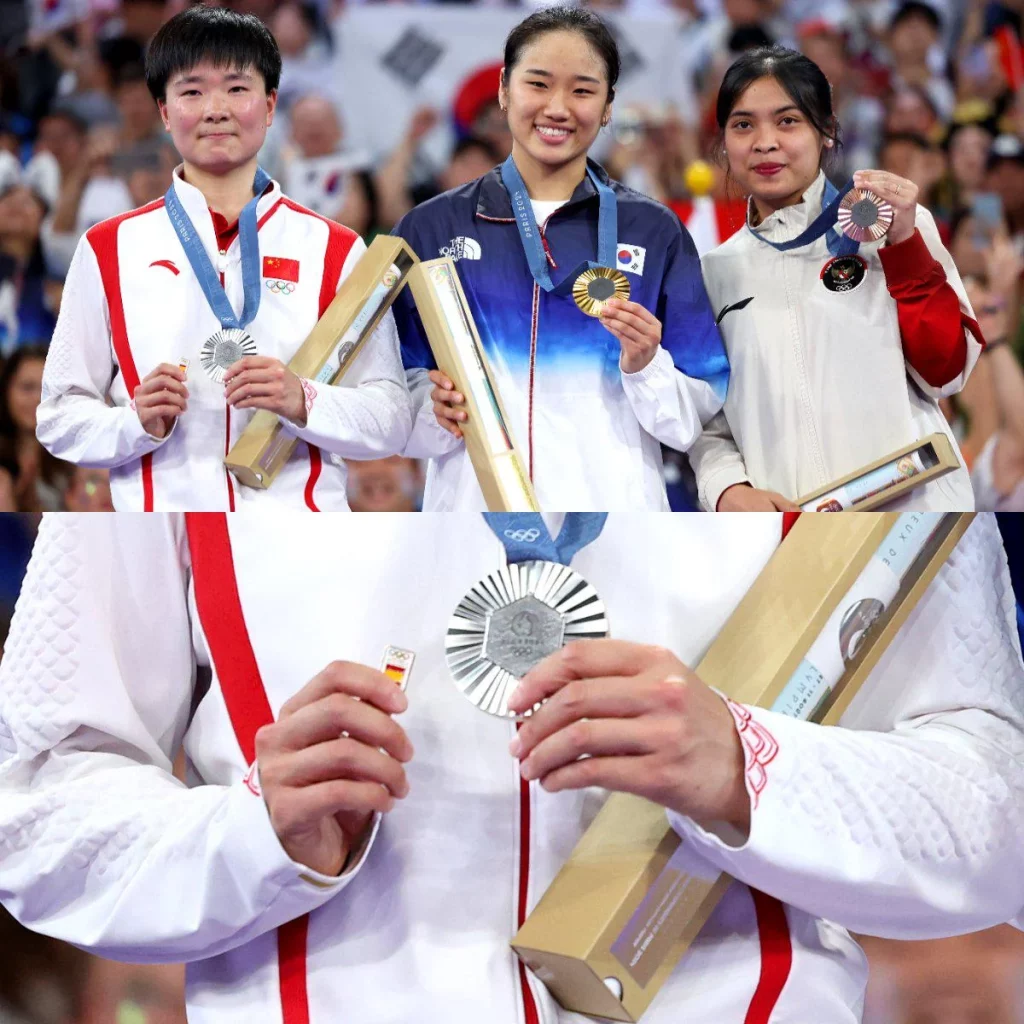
[{"x": 594, "y": 287}]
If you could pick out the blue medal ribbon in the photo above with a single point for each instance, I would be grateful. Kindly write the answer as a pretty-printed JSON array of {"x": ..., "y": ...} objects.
[
  {"x": 529, "y": 232},
  {"x": 209, "y": 279},
  {"x": 824, "y": 224},
  {"x": 526, "y": 537}
]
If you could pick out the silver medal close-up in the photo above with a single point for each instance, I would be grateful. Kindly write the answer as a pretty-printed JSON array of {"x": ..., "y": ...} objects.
[
  {"x": 510, "y": 621},
  {"x": 224, "y": 349}
]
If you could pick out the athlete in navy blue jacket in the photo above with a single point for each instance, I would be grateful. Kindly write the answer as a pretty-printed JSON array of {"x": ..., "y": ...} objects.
[{"x": 589, "y": 399}]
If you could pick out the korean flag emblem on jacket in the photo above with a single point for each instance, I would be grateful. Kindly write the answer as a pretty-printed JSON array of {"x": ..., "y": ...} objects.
[{"x": 630, "y": 257}]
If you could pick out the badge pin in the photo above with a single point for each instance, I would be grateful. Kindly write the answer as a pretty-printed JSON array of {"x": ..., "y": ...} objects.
[{"x": 396, "y": 664}]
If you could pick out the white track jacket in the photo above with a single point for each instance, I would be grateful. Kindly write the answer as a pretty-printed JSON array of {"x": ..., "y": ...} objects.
[
  {"x": 136, "y": 634},
  {"x": 131, "y": 302},
  {"x": 821, "y": 383}
]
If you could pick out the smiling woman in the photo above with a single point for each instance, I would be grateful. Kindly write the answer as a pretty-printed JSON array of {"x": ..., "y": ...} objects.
[
  {"x": 588, "y": 295},
  {"x": 842, "y": 335}
]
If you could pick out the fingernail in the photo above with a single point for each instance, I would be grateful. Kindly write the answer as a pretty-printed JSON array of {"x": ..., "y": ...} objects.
[
  {"x": 399, "y": 701},
  {"x": 526, "y": 769},
  {"x": 515, "y": 748}
]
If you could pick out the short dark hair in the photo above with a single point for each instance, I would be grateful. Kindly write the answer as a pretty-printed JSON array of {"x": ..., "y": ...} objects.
[
  {"x": 908, "y": 138},
  {"x": 468, "y": 142},
  {"x": 804, "y": 82},
  {"x": 215, "y": 34},
  {"x": 916, "y": 9},
  {"x": 565, "y": 19}
]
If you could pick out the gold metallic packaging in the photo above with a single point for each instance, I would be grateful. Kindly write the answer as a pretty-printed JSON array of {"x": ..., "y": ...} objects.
[
  {"x": 622, "y": 911},
  {"x": 327, "y": 353},
  {"x": 459, "y": 354}
]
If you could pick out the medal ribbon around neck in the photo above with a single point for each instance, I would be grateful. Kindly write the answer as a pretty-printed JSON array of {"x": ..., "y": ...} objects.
[
  {"x": 529, "y": 232},
  {"x": 209, "y": 279},
  {"x": 519, "y": 614},
  {"x": 824, "y": 224},
  {"x": 526, "y": 537}
]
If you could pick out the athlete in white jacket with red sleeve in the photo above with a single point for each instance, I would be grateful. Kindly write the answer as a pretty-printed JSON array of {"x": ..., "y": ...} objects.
[
  {"x": 837, "y": 358},
  {"x": 238, "y": 636},
  {"x": 126, "y": 384}
]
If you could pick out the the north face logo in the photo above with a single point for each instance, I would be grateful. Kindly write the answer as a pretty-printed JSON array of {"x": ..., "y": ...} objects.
[{"x": 461, "y": 248}]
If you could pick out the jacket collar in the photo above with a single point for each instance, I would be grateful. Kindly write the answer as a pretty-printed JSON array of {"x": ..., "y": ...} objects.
[
  {"x": 198, "y": 209},
  {"x": 494, "y": 202},
  {"x": 787, "y": 223}
]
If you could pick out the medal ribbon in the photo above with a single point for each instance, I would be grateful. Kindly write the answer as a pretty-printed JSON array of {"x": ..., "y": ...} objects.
[
  {"x": 209, "y": 279},
  {"x": 526, "y": 536},
  {"x": 824, "y": 224},
  {"x": 529, "y": 232}
]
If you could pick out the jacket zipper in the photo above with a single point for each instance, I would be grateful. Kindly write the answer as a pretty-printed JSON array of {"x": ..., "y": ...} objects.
[{"x": 227, "y": 411}]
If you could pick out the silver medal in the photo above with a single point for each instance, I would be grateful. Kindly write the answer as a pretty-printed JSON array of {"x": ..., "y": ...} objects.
[
  {"x": 511, "y": 620},
  {"x": 224, "y": 349}
]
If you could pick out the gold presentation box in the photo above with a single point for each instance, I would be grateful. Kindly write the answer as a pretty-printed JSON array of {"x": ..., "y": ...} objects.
[
  {"x": 626, "y": 906},
  {"x": 875, "y": 485},
  {"x": 459, "y": 354},
  {"x": 339, "y": 335}
]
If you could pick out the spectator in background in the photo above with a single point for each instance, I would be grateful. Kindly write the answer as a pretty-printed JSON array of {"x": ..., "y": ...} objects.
[
  {"x": 915, "y": 56},
  {"x": 385, "y": 485},
  {"x": 910, "y": 111},
  {"x": 305, "y": 51},
  {"x": 998, "y": 471},
  {"x": 915, "y": 158},
  {"x": 39, "y": 479},
  {"x": 471, "y": 158},
  {"x": 88, "y": 490},
  {"x": 967, "y": 147},
  {"x": 1005, "y": 177},
  {"x": 27, "y": 313},
  {"x": 860, "y": 114},
  {"x": 320, "y": 174}
]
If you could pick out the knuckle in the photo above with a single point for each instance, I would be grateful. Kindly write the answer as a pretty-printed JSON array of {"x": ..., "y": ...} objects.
[
  {"x": 672, "y": 693},
  {"x": 573, "y": 696},
  {"x": 580, "y": 735}
]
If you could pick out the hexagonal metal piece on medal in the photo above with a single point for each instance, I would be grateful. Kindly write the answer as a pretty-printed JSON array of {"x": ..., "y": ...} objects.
[
  {"x": 512, "y": 620},
  {"x": 224, "y": 349}
]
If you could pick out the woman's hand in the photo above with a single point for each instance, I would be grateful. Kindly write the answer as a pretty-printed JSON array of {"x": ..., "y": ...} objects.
[
  {"x": 900, "y": 194},
  {"x": 445, "y": 399},
  {"x": 744, "y": 498},
  {"x": 638, "y": 331},
  {"x": 261, "y": 382},
  {"x": 333, "y": 758},
  {"x": 634, "y": 719}
]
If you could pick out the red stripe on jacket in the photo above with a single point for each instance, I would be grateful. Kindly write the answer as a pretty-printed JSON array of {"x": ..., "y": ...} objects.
[
  {"x": 340, "y": 240},
  {"x": 103, "y": 239},
  {"x": 227, "y": 636},
  {"x": 772, "y": 923},
  {"x": 932, "y": 325}
]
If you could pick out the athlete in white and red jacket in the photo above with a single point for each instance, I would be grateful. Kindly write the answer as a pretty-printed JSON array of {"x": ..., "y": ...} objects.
[
  {"x": 238, "y": 636},
  {"x": 124, "y": 386}
]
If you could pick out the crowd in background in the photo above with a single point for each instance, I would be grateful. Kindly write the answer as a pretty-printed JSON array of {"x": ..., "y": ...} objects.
[{"x": 932, "y": 91}]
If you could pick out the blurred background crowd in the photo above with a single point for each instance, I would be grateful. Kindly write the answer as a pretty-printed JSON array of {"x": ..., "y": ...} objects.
[{"x": 383, "y": 105}]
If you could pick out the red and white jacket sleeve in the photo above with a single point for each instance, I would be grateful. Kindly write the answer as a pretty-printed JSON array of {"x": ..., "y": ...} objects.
[
  {"x": 907, "y": 821},
  {"x": 939, "y": 332},
  {"x": 369, "y": 414},
  {"x": 74, "y": 421},
  {"x": 99, "y": 844}
]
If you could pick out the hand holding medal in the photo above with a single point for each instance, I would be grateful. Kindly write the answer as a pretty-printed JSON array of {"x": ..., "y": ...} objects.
[
  {"x": 895, "y": 199},
  {"x": 634, "y": 719},
  {"x": 262, "y": 382},
  {"x": 638, "y": 331}
]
